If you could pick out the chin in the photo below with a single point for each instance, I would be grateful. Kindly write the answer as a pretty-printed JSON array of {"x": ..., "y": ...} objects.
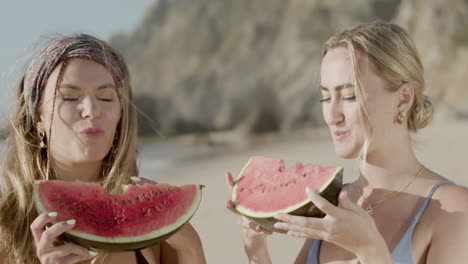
[
  {"x": 346, "y": 153},
  {"x": 91, "y": 156}
]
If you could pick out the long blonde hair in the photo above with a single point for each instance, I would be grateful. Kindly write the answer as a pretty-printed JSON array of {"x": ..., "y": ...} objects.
[
  {"x": 23, "y": 161},
  {"x": 393, "y": 54}
]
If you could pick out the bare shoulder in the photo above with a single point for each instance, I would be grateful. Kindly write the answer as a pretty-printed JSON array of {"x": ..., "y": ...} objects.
[
  {"x": 448, "y": 209},
  {"x": 452, "y": 198}
]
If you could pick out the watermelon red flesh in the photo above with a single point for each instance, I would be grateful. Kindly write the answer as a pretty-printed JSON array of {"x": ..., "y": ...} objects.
[
  {"x": 265, "y": 187},
  {"x": 144, "y": 211}
]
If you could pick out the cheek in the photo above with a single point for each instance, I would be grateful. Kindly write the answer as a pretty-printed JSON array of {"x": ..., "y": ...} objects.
[
  {"x": 353, "y": 114},
  {"x": 380, "y": 115},
  {"x": 66, "y": 112},
  {"x": 114, "y": 113}
]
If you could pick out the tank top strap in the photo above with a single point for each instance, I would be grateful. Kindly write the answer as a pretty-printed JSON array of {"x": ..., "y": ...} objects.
[
  {"x": 427, "y": 200},
  {"x": 314, "y": 250}
]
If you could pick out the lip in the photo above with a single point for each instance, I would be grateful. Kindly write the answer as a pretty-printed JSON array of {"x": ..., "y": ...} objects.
[
  {"x": 92, "y": 132},
  {"x": 340, "y": 135}
]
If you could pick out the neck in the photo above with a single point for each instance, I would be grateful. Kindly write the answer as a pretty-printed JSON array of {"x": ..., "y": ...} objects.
[
  {"x": 86, "y": 172},
  {"x": 390, "y": 167}
]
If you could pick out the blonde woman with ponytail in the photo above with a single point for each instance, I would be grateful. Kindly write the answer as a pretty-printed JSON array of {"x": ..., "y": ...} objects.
[
  {"x": 398, "y": 210},
  {"x": 74, "y": 120}
]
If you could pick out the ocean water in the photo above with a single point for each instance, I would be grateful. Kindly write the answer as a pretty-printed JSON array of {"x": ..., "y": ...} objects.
[{"x": 157, "y": 158}]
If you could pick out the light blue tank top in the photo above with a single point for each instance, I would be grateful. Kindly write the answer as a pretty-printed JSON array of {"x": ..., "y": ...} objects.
[{"x": 402, "y": 253}]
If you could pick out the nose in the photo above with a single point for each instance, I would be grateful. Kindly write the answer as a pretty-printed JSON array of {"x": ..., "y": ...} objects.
[
  {"x": 90, "y": 108},
  {"x": 333, "y": 113}
]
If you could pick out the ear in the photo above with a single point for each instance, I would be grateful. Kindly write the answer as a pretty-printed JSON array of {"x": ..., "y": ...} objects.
[
  {"x": 39, "y": 123},
  {"x": 405, "y": 98}
]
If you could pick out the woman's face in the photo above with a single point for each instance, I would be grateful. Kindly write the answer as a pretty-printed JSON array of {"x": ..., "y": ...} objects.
[
  {"x": 87, "y": 111},
  {"x": 342, "y": 111}
]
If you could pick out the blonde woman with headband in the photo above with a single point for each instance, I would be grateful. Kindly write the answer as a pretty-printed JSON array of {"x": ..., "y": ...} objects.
[
  {"x": 74, "y": 120},
  {"x": 398, "y": 210}
]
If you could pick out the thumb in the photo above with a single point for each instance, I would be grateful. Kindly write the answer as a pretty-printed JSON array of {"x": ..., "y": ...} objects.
[{"x": 229, "y": 181}]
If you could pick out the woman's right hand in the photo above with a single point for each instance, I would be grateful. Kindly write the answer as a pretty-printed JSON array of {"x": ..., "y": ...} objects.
[
  {"x": 50, "y": 248},
  {"x": 253, "y": 235}
]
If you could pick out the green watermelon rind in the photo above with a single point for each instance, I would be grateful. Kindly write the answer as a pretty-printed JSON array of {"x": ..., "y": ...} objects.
[
  {"x": 124, "y": 243},
  {"x": 330, "y": 191}
]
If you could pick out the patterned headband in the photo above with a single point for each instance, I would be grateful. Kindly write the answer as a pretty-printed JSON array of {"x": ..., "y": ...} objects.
[{"x": 60, "y": 49}]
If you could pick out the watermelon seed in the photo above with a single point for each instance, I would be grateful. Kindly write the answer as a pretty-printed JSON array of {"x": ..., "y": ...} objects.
[{"x": 242, "y": 189}]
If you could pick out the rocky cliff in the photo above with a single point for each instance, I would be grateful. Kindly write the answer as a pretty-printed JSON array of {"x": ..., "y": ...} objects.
[{"x": 204, "y": 65}]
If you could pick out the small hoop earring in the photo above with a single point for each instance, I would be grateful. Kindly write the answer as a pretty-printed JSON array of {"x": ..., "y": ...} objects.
[{"x": 42, "y": 144}]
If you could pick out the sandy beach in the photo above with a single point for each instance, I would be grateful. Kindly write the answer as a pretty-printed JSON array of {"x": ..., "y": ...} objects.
[{"x": 442, "y": 147}]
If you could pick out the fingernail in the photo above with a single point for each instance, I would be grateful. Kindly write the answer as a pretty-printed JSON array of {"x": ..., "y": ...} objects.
[
  {"x": 52, "y": 214},
  {"x": 93, "y": 252},
  {"x": 71, "y": 221},
  {"x": 135, "y": 178}
]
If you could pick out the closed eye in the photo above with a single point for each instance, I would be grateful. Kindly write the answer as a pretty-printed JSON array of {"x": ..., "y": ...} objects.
[
  {"x": 106, "y": 99},
  {"x": 70, "y": 98},
  {"x": 325, "y": 99},
  {"x": 350, "y": 98}
]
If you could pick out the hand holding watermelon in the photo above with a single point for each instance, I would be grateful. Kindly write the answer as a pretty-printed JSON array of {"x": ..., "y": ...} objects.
[
  {"x": 346, "y": 225},
  {"x": 253, "y": 235},
  {"x": 50, "y": 248}
]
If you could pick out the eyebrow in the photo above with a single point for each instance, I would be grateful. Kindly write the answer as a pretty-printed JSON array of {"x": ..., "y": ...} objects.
[
  {"x": 74, "y": 87},
  {"x": 339, "y": 87}
]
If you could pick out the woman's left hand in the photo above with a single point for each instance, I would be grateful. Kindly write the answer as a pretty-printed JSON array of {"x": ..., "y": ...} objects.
[{"x": 347, "y": 225}]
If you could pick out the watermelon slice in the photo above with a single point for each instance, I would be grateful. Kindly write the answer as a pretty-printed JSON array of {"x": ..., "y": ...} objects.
[
  {"x": 140, "y": 217},
  {"x": 264, "y": 188}
]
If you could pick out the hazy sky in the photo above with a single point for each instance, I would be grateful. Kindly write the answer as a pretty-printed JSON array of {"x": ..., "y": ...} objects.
[{"x": 23, "y": 22}]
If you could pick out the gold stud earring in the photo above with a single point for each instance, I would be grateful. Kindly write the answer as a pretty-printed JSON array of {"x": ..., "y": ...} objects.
[
  {"x": 400, "y": 118},
  {"x": 42, "y": 144}
]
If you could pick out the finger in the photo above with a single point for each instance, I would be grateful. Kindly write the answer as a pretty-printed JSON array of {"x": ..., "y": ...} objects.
[
  {"x": 38, "y": 225},
  {"x": 230, "y": 205},
  {"x": 48, "y": 237},
  {"x": 266, "y": 231},
  {"x": 295, "y": 219},
  {"x": 321, "y": 203},
  {"x": 262, "y": 230},
  {"x": 229, "y": 181},
  {"x": 302, "y": 221},
  {"x": 304, "y": 235},
  {"x": 346, "y": 203},
  {"x": 71, "y": 250},
  {"x": 300, "y": 230},
  {"x": 141, "y": 181},
  {"x": 72, "y": 259}
]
